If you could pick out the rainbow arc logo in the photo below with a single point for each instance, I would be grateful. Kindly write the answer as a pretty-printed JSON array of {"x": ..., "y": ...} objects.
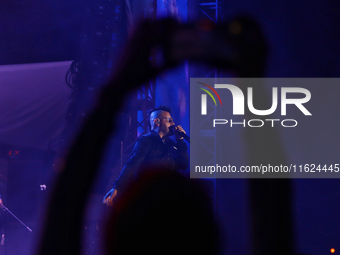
[{"x": 204, "y": 97}]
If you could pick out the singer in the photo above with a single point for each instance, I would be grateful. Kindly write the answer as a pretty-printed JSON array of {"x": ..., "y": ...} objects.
[{"x": 154, "y": 149}]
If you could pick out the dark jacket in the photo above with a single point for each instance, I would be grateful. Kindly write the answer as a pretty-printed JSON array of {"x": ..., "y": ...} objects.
[{"x": 150, "y": 150}]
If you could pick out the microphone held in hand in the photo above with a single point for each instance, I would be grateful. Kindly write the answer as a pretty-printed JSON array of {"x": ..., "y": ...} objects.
[{"x": 181, "y": 134}]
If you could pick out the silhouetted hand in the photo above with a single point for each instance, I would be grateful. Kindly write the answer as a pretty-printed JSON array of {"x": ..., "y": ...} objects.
[{"x": 138, "y": 62}]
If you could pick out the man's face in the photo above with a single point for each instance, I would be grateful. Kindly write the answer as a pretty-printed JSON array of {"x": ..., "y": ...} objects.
[{"x": 165, "y": 123}]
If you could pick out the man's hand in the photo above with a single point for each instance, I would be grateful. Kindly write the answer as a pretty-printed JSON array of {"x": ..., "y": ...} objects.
[
  {"x": 108, "y": 199},
  {"x": 138, "y": 62},
  {"x": 179, "y": 130}
]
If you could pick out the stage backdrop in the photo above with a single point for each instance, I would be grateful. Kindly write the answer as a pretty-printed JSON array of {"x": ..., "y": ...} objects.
[{"x": 33, "y": 104}]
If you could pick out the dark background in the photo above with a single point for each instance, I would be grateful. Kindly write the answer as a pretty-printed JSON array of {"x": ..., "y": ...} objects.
[{"x": 304, "y": 41}]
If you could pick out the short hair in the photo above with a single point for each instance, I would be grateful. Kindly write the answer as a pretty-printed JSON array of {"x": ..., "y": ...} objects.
[{"x": 159, "y": 108}]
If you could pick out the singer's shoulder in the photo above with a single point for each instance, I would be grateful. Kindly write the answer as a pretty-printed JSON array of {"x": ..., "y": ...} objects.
[{"x": 152, "y": 135}]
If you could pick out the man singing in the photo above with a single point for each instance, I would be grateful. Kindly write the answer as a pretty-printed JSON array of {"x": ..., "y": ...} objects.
[{"x": 154, "y": 149}]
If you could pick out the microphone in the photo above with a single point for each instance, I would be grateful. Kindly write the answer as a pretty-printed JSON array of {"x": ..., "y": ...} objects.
[{"x": 181, "y": 134}]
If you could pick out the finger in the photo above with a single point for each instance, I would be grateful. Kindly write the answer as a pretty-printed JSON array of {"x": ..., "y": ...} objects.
[
  {"x": 108, "y": 202},
  {"x": 107, "y": 199}
]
